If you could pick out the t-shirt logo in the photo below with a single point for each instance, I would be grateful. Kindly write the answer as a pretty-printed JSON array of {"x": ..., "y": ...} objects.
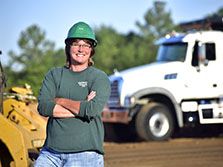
[{"x": 82, "y": 83}]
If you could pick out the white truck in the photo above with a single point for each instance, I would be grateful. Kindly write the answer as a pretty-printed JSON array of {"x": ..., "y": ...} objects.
[{"x": 184, "y": 86}]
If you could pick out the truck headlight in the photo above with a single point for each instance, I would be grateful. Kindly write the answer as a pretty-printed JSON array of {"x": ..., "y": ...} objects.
[{"x": 129, "y": 101}]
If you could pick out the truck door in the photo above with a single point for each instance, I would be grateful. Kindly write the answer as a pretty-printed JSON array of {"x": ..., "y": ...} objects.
[{"x": 206, "y": 68}]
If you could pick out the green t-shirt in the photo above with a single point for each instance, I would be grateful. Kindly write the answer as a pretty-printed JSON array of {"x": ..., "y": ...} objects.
[{"x": 85, "y": 132}]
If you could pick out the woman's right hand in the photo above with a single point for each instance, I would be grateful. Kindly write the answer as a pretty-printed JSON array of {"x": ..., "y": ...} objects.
[{"x": 91, "y": 95}]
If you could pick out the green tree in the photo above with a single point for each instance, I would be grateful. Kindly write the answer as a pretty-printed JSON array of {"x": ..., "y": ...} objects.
[
  {"x": 119, "y": 51},
  {"x": 36, "y": 58},
  {"x": 158, "y": 21},
  {"x": 107, "y": 51}
]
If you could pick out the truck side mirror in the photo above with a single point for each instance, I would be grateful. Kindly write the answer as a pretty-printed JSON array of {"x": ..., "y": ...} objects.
[
  {"x": 195, "y": 62},
  {"x": 199, "y": 55}
]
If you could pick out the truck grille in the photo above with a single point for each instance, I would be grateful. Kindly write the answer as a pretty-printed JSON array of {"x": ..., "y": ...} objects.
[{"x": 114, "y": 99}]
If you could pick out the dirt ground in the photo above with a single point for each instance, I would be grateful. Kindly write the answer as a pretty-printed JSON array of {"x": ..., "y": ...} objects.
[
  {"x": 201, "y": 146},
  {"x": 181, "y": 152}
]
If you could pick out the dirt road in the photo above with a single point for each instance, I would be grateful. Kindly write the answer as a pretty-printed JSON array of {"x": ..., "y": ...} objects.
[{"x": 183, "y": 152}]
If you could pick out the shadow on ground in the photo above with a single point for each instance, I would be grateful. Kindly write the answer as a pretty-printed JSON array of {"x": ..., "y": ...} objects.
[{"x": 124, "y": 133}]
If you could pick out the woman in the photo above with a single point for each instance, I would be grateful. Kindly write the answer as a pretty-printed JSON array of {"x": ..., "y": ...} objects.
[{"x": 73, "y": 98}]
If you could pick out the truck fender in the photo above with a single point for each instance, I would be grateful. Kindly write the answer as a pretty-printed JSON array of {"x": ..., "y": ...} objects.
[{"x": 157, "y": 90}]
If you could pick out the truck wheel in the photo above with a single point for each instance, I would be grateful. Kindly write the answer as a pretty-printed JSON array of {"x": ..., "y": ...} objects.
[{"x": 154, "y": 122}]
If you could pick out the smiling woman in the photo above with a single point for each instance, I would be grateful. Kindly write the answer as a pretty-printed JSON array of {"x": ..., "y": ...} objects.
[
  {"x": 73, "y": 98},
  {"x": 80, "y": 43},
  {"x": 80, "y": 54}
]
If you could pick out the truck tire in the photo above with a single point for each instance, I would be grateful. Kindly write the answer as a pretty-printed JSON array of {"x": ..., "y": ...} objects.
[{"x": 154, "y": 122}]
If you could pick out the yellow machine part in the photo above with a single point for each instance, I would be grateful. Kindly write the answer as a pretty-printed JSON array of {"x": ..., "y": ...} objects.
[
  {"x": 12, "y": 137},
  {"x": 19, "y": 113},
  {"x": 21, "y": 130},
  {"x": 21, "y": 90}
]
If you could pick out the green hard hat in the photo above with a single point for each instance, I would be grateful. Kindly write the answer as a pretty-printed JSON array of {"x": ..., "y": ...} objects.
[{"x": 81, "y": 30}]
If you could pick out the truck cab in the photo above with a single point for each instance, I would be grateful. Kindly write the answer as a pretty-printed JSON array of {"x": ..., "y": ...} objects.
[{"x": 183, "y": 87}]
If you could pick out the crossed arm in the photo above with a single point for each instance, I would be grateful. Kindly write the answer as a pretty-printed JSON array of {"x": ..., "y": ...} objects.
[{"x": 66, "y": 108}]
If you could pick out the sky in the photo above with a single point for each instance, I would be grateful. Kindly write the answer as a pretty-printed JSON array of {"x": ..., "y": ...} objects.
[{"x": 55, "y": 17}]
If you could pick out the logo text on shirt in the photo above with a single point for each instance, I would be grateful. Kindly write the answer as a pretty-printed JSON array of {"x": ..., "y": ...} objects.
[{"x": 82, "y": 83}]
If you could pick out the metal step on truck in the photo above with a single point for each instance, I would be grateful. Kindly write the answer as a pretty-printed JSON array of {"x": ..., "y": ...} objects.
[{"x": 183, "y": 87}]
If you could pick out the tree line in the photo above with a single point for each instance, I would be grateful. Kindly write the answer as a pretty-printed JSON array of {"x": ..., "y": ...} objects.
[{"x": 115, "y": 51}]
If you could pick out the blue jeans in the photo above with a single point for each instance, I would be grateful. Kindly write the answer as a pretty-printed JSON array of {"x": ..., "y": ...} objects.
[{"x": 51, "y": 158}]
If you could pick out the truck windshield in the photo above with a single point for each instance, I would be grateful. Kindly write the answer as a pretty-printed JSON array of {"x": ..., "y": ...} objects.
[{"x": 172, "y": 52}]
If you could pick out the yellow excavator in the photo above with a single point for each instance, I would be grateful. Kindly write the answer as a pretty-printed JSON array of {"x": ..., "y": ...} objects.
[{"x": 22, "y": 130}]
